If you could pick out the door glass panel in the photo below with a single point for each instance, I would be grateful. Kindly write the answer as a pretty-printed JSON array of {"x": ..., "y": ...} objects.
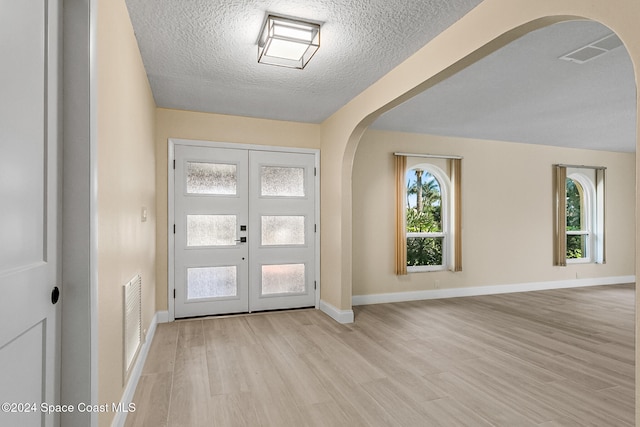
[
  {"x": 282, "y": 230},
  {"x": 281, "y": 181},
  {"x": 211, "y": 230},
  {"x": 283, "y": 279},
  {"x": 211, "y": 178},
  {"x": 212, "y": 282}
]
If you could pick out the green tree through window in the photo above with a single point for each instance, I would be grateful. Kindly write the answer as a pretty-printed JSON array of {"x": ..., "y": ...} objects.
[
  {"x": 576, "y": 242},
  {"x": 424, "y": 219}
]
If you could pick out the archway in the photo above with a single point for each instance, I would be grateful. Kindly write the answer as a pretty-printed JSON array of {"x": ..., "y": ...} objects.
[
  {"x": 493, "y": 24},
  {"x": 524, "y": 94}
]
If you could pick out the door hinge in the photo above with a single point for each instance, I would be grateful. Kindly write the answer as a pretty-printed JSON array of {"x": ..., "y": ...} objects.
[
  {"x": 174, "y": 163},
  {"x": 315, "y": 285},
  {"x": 315, "y": 171},
  {"x": 174, "y": 294},
  {"x": 315, "y": 228},
  {"x": 174, "y": 229}
]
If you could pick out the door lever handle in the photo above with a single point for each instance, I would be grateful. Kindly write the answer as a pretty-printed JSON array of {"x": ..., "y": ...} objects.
[{"x": 242, "y": 240}]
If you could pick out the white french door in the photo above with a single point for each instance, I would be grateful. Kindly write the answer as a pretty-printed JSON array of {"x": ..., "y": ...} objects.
[
  {"x": 245, "y": 230},
  {"x": 29, "y": 230},
  {"x": 211, "y": 209},
  {"x": 282, "y": 230}
]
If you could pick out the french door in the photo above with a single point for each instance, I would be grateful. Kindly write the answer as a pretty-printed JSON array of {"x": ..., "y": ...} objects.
[{"x": 245, "y": 230}]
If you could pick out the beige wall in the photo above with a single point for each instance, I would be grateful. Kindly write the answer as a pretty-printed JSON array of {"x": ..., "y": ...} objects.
[
  {"x": 490, "y": 25},
  {"x": 493, "y": 23},
  {"x": 126, "y": 184},
  {"x": 217, "y": 128},
  {"x": 507, "y": 200},
  {"x": 126, "y": 127}
]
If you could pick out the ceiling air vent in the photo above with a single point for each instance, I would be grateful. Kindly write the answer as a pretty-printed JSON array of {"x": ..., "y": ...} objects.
[{"x": 593, "y": 50}]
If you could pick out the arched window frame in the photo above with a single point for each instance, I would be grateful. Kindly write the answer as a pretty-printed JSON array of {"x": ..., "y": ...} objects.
[
  {"x": 588, "y": 223},
  {"x": 445, "y": 190},
  {"x": 592, "y": 180}
]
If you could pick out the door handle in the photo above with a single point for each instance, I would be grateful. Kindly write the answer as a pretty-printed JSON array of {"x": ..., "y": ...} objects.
[
  {"x": 55, "y": 295},
  {"x": 242, "y": 240}
]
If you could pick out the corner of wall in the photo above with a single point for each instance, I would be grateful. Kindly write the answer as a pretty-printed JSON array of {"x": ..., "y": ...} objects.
[{"x": 340, "y": 316}]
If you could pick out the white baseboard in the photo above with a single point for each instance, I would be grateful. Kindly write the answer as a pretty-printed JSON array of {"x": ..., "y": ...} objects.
[
  {"x": 486, "y": 290},
  {"x": 132, "y": 383},
  {"x": 163, "y": 316},
  {"x": 340, "y": 316}
]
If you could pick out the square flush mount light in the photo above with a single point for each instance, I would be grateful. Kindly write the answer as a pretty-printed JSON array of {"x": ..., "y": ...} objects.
[{"x": 288, "y": 42}]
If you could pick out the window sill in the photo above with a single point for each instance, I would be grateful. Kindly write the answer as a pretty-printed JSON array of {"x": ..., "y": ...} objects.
[
  {"x": 426, "y": 269},
  {"x": 580, "y": 261}
]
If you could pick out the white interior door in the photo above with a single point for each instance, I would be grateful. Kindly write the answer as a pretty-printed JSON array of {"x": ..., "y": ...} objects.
[
  {"x": 244, "y": 234},
  {"x": 29, "y": 335}
]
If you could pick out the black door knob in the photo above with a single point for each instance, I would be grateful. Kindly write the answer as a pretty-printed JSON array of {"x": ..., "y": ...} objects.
[{"x": 55, "y": 295}]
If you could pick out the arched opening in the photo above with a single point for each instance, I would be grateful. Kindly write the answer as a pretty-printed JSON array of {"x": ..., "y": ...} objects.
[
  {"x": 500, "y": 177},
  {"x": 490, "y": 25},
  {"x": 510, "y": 124}
]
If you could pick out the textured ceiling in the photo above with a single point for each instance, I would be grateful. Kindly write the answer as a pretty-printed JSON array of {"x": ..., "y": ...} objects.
[
  {"x": 201, "y": 55},
  {"x": 524, "y": 93}
]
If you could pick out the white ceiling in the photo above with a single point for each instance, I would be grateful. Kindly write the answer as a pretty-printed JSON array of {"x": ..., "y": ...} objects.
[
  {"x": 201, "y": 55},
  {"x": 524, "y": 93}
]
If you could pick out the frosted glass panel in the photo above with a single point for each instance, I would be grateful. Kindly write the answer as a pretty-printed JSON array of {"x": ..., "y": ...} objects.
[
  {"x": 211, "y": 230},
  {"x": 283, "y": 279},
  {"x": 282, "y": 230},
  {"x": 211, "y": 178},
  {"x": 211, "y": 282},
  {"x": 281, "y": 181}
]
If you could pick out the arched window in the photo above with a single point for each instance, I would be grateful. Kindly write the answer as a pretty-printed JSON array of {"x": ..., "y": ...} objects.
[
  {"x": 580, "y": 195},
  {"x": 427, "y": 224},
  {"x": 580, "y": 213}
]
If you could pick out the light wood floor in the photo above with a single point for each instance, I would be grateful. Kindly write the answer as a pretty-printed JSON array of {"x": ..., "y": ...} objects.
[{"x": 550, "y": 358}]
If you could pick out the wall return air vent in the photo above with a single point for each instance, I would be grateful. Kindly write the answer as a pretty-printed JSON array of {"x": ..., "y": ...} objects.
[
  {"x": 593, "y": 50},
  {"x": 132, "y": 322}
]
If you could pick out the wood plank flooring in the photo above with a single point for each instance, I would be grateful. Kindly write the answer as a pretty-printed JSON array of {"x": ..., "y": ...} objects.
[{"x": 549, "y": 358}]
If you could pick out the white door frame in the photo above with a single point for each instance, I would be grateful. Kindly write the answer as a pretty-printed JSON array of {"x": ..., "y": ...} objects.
[
  {"x": 172, "y": 142},
  {"x": 79, "y": 360}
]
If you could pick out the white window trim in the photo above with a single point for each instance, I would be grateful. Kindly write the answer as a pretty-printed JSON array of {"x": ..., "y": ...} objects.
[
  {"x": 445, "y": 191},
  {"x": 589, "y": 211}
]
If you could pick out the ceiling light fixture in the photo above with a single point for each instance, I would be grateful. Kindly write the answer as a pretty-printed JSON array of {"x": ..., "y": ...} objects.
[{"x": 288, "y": 42}]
